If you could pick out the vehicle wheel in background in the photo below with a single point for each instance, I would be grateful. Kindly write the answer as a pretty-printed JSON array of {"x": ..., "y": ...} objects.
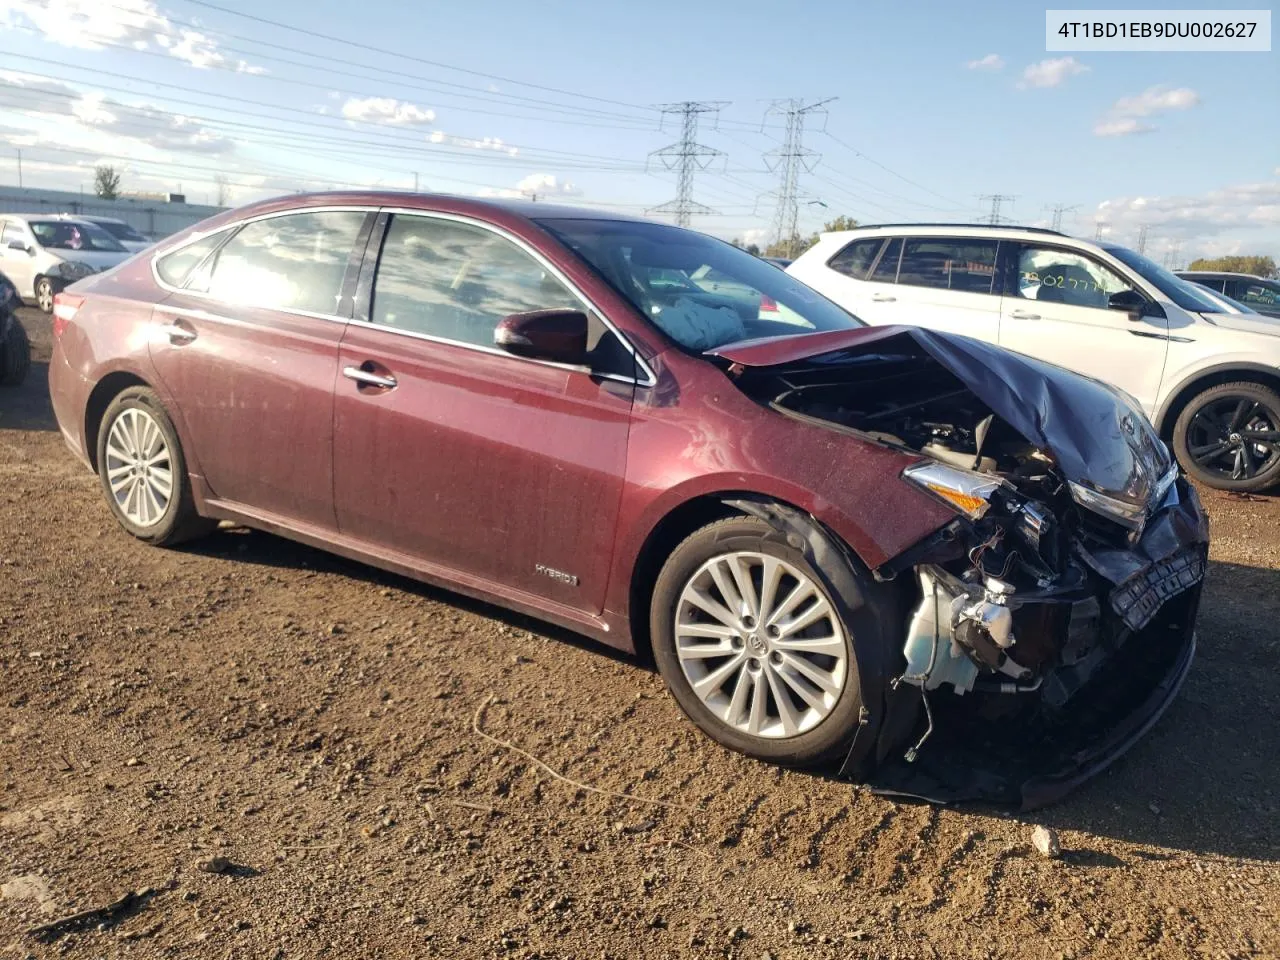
[
  {"x": 751, "y": 646},
  {"x": 15, "y": 355},
  {"x": 143, "y": 472},
  {"x": 44, "y": 294},
  {"x": 1228, "y": 437}
]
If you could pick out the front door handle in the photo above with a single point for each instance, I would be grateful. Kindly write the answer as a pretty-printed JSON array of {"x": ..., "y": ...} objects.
[
  {"x": 178, "y": 333},
  {"x": 883, "y": 298},
  {"x": 367, "y": 379},
  {"x": 1024, "y": 315}
]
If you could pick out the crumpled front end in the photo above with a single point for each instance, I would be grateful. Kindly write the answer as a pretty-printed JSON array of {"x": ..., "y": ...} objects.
[{"x": 1051, "y": 623}]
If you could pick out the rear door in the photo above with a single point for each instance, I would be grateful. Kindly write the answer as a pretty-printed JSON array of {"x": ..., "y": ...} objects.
[
  {"x": 1056, "y": 309},
  {"x": 461, "y": 455},
  {"x": 860, "y": 277},
  {"x": 247, "y": 345},
  {"x": 948, "y": 284}
]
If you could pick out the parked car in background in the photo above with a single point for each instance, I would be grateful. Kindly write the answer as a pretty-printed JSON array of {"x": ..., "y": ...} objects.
[
  {"x": 1207, "y": 376},
  {"x": 128, "y": 237},
  {"x": 15, "y": 349},
  {"x": 41, "y": 255},
  {"x": 813, "y": 525},
  {"x": 1229, "y": 305},
  {"x": 1261, "y": 294},
  {"x": 782, "y": 262}
]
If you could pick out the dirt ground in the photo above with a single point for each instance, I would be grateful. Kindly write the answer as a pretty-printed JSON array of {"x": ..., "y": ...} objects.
[{"x": 314, "y": 722}]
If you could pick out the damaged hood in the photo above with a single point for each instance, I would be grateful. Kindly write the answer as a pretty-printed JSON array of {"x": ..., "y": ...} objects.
[{"x": 1098, "y": 437}]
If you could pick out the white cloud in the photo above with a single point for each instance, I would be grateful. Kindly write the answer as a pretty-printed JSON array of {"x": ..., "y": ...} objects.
[
  {"x": 80, "y": 115},
  {"x": 93, "y": 24},
  {"x": 992, "y": 61},
  {"x": 1051, "y": 73},
  {"x": 488, "y": 143},
  {"x": 387, "y": 111},
  {"x": 1122, "y": 119},
  {"x": 543, "y": 186},
  {"x": 1245, "y": 215}
]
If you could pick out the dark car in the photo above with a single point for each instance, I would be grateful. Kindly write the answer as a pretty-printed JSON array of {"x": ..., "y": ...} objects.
[
  {"x": 15, "y": 349},
  {"x": 823, "y": 532},
  {"x": 1257, "y": 293}
]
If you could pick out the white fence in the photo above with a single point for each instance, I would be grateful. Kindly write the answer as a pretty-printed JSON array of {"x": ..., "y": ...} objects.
[{"x": 154, "y": 218}]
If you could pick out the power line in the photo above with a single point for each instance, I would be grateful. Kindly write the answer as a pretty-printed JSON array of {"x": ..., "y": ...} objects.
[
  {"x": 686, "y": 157},
  {"x": 920, "y": 186},
  {"x": 788, "y": 160},
  {"x": 997, "y": 200}
]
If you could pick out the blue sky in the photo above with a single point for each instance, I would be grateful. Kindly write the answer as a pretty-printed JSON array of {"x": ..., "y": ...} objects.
[{"x": 935, "y": 105}]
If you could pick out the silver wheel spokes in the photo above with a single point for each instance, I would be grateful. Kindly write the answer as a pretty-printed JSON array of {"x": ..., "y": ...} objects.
[
  {"x": 139, "y": 471},
  {"x": 760, "y": 645}
]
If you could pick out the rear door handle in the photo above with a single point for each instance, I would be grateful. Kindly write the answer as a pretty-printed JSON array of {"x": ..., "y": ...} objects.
[
  {"x": 883, "y": 298},
  {"x": 1024, "y": 315},
  {"x": 178, "y": 333},
  {"x": 365, "y": 378}
]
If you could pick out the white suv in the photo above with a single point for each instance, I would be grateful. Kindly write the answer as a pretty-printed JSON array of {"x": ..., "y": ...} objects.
[
  {"x": 1208, "y": 378},
  {"x": 43, "y": 254}
]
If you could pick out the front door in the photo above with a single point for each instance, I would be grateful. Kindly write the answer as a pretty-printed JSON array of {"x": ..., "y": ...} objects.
[
  {"x": 466, "y": 457},
  {"x": 19, "y": 265},
  {"x": 1056, "y": 309},
  {"x": 248, "y": 347}
]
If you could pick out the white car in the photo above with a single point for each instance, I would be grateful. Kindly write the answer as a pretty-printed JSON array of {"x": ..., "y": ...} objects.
[
  {"x": 42, "y": 254},
  {"x": 1207, "y": 375},
  {"x": 129, "y": 238}
]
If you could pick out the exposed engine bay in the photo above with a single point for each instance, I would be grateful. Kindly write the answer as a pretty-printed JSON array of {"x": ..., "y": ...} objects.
[{"x": 1051, "y": 568}]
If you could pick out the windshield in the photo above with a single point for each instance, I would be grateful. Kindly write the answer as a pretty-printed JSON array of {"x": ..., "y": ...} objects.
[
  {"x": 122, "y": 231},
  {"x": 701, "y": 292},
  {"x": 1185, "y": 294},
  {"x": 56, "y": 235}
]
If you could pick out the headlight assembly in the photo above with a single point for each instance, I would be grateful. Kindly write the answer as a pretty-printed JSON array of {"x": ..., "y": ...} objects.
[
  {"x": 1131, "y": 515},
  {"x": 72, "y": 270},
  {"x": 963, "y": 490}
]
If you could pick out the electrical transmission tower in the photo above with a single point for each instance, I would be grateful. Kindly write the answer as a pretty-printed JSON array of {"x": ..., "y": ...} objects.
[
  {"x": 1101, "y": 229},
  {"x": 1058, "y": 210},
  {"x": 1142, "y": 239},
  {"x": 787, "y": 161},
  {"x": 1171, "y": 259},
  {"x": 997, "y": 201},
  {"x": 686, "y": 158}
]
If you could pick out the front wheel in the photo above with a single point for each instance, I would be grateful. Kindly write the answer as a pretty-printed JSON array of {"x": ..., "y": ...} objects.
[
  {"x": 1228, "y": 437},
  {"x": 44, "y": 294},
  {"x": 143, "y": 472},
  {"x": 752, "y": 647}
]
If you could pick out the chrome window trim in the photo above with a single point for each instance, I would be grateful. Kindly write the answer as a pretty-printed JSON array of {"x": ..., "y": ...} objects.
[{"x": 650, "y": 379}]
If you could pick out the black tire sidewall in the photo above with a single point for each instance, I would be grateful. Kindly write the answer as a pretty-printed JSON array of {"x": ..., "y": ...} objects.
[
  {"x": 1252, "y": 391},
  {"x": 179, "y": 506},
  {"x": 833, "y": 734},
  {"x": 15, "y": 354}
]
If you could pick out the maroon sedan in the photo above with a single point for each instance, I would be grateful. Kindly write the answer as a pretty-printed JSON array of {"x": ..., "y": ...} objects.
[{"x": 839, "y": 543}]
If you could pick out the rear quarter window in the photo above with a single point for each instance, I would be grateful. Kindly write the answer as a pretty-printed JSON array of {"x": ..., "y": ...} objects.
[{"x": 175, "y": 268}]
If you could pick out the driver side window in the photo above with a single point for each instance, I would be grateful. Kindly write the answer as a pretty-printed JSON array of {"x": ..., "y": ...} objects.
[{"x": 1059, "y": 276}]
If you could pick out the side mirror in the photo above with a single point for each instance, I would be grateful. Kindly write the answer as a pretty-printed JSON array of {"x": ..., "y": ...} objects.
[
  {"x": 1130, "y": 302},
  {"x": 19, "y": 245},
  {"x": 557, "y": 336}
]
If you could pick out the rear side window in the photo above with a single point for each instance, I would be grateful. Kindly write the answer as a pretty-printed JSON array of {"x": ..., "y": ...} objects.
[
  {"x": 949, "y": 263},
  {"x": 856, "y": 259},
  {"x": 1213, "y": 283},
  {"x": 456, "y": 282},
  {"x": 885, "y": 269},
  {"x": 293, "y": 262},
  {"x": 174, "y": 268}
]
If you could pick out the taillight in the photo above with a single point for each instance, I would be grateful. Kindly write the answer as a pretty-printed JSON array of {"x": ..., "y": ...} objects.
[
  {"x": 767, "y": 304},
  {"x": 65, "y": 308}
]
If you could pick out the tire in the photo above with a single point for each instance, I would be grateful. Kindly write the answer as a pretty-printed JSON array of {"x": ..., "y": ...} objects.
[
  {"x": 1210, "y": 437},
  {"x": 44, "y": 294},
  {"x": 727, "y": 717},
  {"x": 142, "y": 423},
  {"x": 15, "y": 355}
]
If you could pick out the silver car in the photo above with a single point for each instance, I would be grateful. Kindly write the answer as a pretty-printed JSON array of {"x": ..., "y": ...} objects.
[{"x": 42, "y": 254}]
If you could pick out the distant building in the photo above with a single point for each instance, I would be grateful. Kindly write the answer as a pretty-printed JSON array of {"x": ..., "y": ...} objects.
[{"x": 155, "y": 215}]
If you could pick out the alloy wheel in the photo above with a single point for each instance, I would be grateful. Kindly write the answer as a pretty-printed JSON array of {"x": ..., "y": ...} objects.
[
  {"x": 761, "y": 645},
  {"x": 139, "y": 467},
  {"x": 1234, "y": 437},
  {"x": 44, "y": 296}
]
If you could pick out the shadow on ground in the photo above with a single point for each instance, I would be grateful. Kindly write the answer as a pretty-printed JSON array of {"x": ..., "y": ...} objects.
[
  {"x": 1203, "y": 781},
  {"x": 27, "y": 407}
]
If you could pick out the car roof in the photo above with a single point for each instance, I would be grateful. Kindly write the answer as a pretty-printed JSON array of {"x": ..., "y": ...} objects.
[
  {"x": 89, "y": 219},
  {"x": 65, "y": 217},
  {"x": 1222, "y": 273},
  {"x": 1003, "y": 231},
  {"x": 441, "y": 202}
]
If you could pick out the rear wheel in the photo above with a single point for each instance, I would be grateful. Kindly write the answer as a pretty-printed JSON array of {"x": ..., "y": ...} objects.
[
  {"x": 44, "y": 294},
  {"x": 143, "y": 472},
  {"x": 1228, "y": 437},
  {"x": 751, "y": 646},
  {"x": 15, "y": 355}
]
